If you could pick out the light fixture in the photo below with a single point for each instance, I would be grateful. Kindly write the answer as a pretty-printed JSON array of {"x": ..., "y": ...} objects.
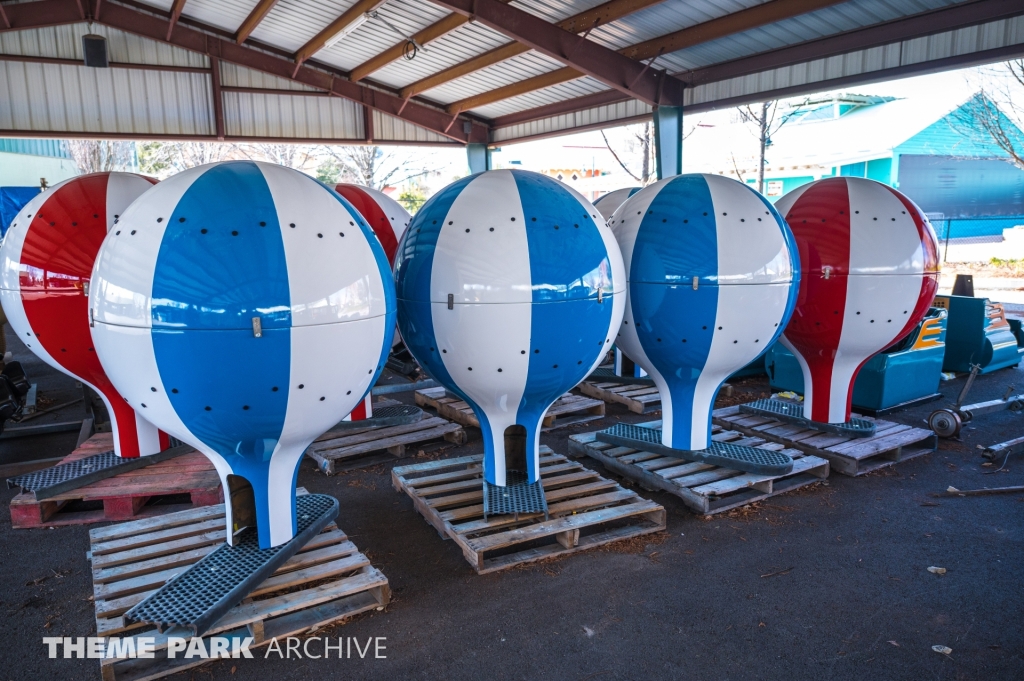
[{"x": 336, "y": 38}]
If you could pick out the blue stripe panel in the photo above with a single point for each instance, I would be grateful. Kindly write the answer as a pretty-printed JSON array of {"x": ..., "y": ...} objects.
[
  {"x": 675, "y": 325},
  {"x": 562, "y": 239},
  {"x": 678, "y": 238},
  {"x": 208, "y": 281},
  {"x": 234, "y": 374},
  {"x": 565, "y": 339},
  {"x": 225, "y": 377}
]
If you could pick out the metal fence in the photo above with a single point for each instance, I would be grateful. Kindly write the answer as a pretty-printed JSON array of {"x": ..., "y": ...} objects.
[{"x": 979, "y": 238}]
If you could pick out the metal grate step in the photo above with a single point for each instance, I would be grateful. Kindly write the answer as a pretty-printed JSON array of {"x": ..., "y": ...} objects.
[
  {"x": 517, "y": 496},
  {"x": 65, "y": 477},
  {"x": 390, "y": 415},
  {"x": 790, "y": 412},
  {"x": 198, "y": 597},
  {"x": 724, "y": 454}
]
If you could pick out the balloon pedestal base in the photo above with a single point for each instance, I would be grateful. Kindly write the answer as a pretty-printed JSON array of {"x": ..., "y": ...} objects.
[
  {"x": 584, "y": 511},
  {"x": 70, "y": 475},
  {"x": 327, "y": 581},
  {"x": 792, "y": 412},
  {"x": 515, "y": 497},
  {"x": 723, "y": 454},
  {"x": 703, "y": 488},
  {"x": 197, "y": 598},
  {"x": 389, "y": 415}
]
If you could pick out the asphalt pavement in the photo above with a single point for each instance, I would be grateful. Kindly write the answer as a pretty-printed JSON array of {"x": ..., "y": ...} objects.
[{"x": 829, "y": 582}]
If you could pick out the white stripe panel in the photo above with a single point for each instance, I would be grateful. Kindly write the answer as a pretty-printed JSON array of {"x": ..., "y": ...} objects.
[
  {"x": 335, "y": 362},
  {"x": 885, "y": 303},
  {"x": 883, "y": 237},
  {"x": 608, "y": 203},
  {"x": 134, "y": 370},
  {"x": 748, "y": 315},
  {"x": 751, "y": 248},
  {"x": 806, "y": 370},
  {"x": 130, "y": 265},
  {"x": 347, "y": 286},
  {"x": 487, "y": 338},
  {"x": 626, "y": 219},
  {"x": 122, "y": 190},
  {"x": 482, "y": 266}
]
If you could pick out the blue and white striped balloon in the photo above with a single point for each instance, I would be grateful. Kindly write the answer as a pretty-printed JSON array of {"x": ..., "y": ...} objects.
[
  {"x": 509, "y": 292},
  {"x": 244, "y": 308},
  {"x": 607, "y": 204},
  {"x": 713, "y": 275}
]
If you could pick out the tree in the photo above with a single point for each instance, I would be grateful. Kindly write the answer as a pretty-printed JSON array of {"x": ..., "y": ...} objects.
[
  {"x": 640, "y": 146},
  {"x": 297, "y": 156},
  {"x": 375, "y": 167},
  {"x": 995, "y": 115},
  {"x": 413, "y": 197},
  {"x": 163, "y": 159},
  {"x": 97, "y": 156},
  {"x": 763, "y": 118}
]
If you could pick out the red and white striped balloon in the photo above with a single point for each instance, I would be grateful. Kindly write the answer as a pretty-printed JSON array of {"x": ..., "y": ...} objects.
[
  {"x": 869, "y": 272},
  {"x": 45, "y": 264}
]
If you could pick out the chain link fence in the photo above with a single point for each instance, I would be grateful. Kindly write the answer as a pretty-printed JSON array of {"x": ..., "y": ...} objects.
[{"x": 980, "y": 239}]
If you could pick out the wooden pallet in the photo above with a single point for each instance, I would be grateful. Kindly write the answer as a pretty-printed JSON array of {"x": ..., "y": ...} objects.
[
  {"x": 639, "y": 399},
  {"x": 342, "y": 450},
  {"x": 125, "y": 496},
  {"x": 569, "y": 409},
  {"x": 328, "y": 580},
  {"x": 704, "y": 488},
  {"x": 585, "y": 511},
  {"x": 891, "y": 443}
]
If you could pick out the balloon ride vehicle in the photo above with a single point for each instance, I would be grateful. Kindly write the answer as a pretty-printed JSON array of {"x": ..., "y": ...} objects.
[
  {"x": 870, "y": 272},
  {"x": 711, "y": 270},
  {"x": 509, "y": 292},
  {"x": 245, "y": 309}
]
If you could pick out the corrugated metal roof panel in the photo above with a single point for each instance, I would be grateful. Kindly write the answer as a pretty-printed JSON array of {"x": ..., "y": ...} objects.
[
  {"x": 59, "y": 98},
  {"x": 232, "y": 75},
  {"x": 389, "y": 128},
  {"x": 603, "y": 114},
  {"x": 298, "y": 116},
  {"x": 531, "y": 100},
  {"x": 224, "y": 14},
  {"x": 292, "y": 23},
  {"x": 65, "y": 42}
]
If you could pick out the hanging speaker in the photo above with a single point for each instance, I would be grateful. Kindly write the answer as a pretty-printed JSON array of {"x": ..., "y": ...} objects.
[{"x": 94, "y": 47}]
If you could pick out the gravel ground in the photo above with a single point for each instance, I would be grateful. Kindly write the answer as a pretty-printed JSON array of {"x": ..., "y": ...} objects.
[{"x": 829, "y": 582}]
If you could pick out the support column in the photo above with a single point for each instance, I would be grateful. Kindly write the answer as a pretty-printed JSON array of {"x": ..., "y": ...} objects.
[
  {"x": 668, "y": 140},
  {"x": 479, "y": 157}
]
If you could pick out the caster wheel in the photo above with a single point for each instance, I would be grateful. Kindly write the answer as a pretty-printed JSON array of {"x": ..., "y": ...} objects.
[{"x": 944, "y": 423}]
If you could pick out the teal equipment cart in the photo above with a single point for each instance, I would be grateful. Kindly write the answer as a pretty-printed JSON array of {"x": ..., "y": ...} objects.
[{"x": 978, "y": 332}]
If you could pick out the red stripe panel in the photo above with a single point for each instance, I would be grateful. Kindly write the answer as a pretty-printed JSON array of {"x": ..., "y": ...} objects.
[
  {"x": 56, "y": 261},
  {"x": 374, "y": 215},
  {"x": 820, "y": 220}
]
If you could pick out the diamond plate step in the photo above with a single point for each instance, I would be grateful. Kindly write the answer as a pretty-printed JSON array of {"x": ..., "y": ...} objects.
[
  {"x": 64, "y": 477},
  {"x": 198, "y": 597},
  {"x": 609, "y": 376},
  {"x": 517, "y": 496},
  {"x": 724, "y": 454},
  {"x": 791, "y": 412},
  {"x": 390, "y": 415}
]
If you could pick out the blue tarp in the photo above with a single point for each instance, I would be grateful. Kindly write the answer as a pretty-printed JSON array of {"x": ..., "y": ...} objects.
[{"x": 12, "y": 200}]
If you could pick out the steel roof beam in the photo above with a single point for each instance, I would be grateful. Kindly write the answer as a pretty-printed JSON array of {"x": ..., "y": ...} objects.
[
  {"x": 602, "y": 15},
  {"x": 320, "y": 40},
  {"x": 611, "y": 68},
  {"x": 730, "y": 24},
  {"x": 61, "y": 12},
  {"x": 426, "y": 35},
  {"x": 258, "y": 14},
  {"x": 176, "y": 9}
]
